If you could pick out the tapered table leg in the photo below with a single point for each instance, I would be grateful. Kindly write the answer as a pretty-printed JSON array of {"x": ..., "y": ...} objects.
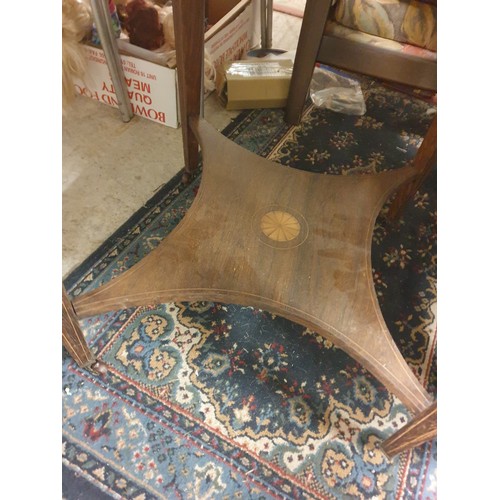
[
  {"x": 189, "y": 19},
  {"x": 424, "y": 160},
  {"x": 73, "y": 339},
  {"x": 421, "y": 429}
]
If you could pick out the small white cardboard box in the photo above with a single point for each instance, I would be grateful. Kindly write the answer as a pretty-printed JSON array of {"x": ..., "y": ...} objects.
[{"x": 152, "y": 88}]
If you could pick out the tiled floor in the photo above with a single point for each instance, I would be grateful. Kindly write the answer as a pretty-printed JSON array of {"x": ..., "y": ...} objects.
[{"x": 111, "y": 168}]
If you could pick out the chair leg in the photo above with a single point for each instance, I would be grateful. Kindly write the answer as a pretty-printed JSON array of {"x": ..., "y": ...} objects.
[
  {"x": 189, "y": 16},
  {"x": 73, "y": 339},
  {"x": 311, "y": 33},
  {"x": 421, "y": 429},
  {"x": 424, "y": 160}
]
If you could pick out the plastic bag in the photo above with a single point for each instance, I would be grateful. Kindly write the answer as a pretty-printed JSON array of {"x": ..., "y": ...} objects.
[{"x": 330, "y": 89}]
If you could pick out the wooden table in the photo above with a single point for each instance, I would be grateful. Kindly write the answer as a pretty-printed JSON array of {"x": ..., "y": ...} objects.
[{"x": 261, "y": 234}]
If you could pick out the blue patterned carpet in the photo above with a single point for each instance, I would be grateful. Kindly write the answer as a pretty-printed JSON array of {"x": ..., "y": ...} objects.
[{"x": 212, "y": 401}]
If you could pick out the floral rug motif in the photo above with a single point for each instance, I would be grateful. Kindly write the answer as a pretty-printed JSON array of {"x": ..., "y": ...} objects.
[{"x": 212, "y": 401}]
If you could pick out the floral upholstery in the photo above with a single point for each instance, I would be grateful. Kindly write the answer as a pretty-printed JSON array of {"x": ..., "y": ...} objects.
[{"x": 406, "y": 22}]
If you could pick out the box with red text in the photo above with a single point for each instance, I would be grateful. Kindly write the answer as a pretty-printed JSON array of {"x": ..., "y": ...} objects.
[{"x": 152, "y": 87}]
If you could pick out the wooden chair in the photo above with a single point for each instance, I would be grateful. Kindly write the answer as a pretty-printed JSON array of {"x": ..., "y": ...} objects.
[{"x": 286, "y": 245}]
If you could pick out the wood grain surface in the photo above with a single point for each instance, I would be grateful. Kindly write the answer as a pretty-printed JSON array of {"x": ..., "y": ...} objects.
[
  {"x": 321, "y": 278},
  {"x": 72, "y": 336},
  {"x": 421, "y": 429}
]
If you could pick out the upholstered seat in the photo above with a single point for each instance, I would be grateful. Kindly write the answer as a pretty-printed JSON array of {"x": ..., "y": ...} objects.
[{"x": 408, "y": 24}]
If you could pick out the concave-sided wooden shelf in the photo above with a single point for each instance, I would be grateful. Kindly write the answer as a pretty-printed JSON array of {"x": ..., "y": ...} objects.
[{"x": 291, "y": 242}]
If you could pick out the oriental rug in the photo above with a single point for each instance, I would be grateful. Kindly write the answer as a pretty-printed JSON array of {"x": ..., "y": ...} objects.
[{"x": 216, "y": 401}]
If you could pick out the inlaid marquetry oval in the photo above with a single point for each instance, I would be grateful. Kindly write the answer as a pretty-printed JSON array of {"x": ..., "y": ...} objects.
[{"x": 280, "y": 226}]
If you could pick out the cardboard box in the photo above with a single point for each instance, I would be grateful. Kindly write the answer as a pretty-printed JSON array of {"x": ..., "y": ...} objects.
[
  {"x": 215, "y": 10},
  {"x": 152, "y": 88},
  {"x": 257, "y": 84}
]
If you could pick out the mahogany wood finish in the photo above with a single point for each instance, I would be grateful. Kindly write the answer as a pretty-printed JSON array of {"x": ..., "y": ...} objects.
[
  {"x": 320, "y": 278},
  {"x": 378, "y": 62},
  {"x": 421, "y": 429},
  {"x": 72, "y": 335},
  {"x": 261, "y": 234},
  {"x": 316, "y": 46},
  {"x": 187, "y": 20},
  {"x": 423, "y": 162}
]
